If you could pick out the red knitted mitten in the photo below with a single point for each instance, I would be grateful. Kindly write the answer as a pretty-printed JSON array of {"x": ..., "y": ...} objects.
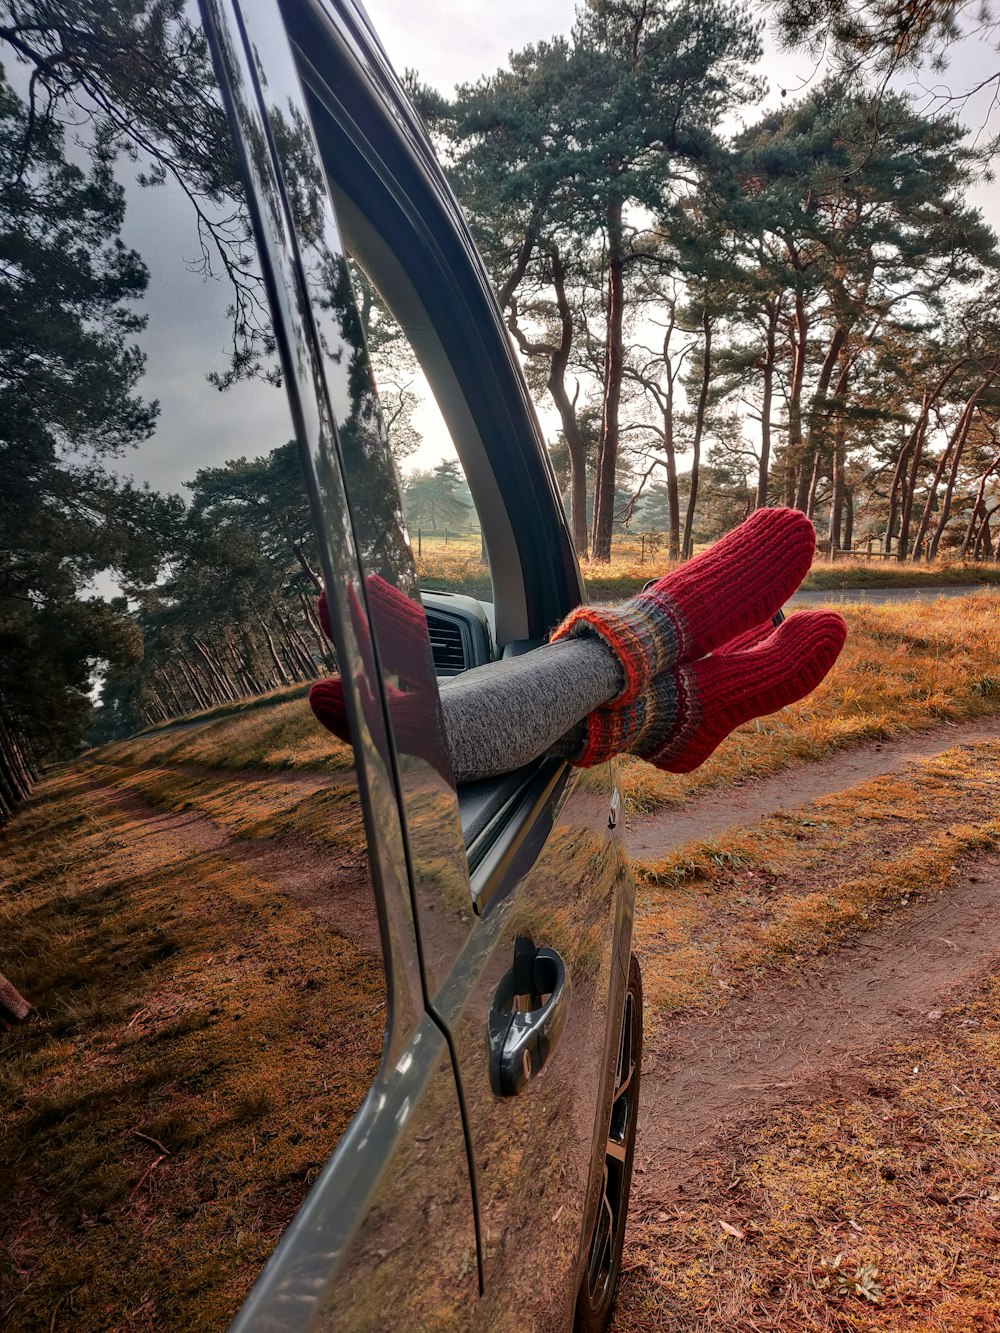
[{"x": 737, "y": 584}]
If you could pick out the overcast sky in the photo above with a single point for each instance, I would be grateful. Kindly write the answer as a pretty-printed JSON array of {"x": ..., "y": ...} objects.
[{"x": 454, "y": 41}]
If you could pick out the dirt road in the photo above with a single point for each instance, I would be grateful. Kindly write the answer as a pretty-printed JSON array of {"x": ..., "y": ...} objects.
[{"x": 805, "y": 1039}]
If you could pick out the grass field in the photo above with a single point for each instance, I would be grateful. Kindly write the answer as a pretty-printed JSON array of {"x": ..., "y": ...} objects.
[
  {"x": 166, "y": 1108},
  {"x": 201, "y": 1037}
]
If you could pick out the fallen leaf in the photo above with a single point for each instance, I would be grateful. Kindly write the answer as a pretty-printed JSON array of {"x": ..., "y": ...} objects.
[{"x": 732, "y": 1231}]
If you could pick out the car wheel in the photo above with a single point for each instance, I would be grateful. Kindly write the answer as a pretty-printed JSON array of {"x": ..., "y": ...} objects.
[{"x": 596, "y": 1297}]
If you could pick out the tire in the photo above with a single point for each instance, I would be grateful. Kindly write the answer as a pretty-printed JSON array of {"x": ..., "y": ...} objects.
[{"x": 595, "y": 1300}]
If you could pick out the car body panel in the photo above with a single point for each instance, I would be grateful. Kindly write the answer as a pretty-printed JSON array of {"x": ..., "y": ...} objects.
[{"x": 516, "y": 1174}]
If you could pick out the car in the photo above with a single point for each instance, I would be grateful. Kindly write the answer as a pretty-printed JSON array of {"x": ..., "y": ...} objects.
[{"x": 483, "y": 1180}]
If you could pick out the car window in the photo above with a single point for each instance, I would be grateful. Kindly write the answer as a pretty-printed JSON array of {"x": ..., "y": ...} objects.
[
  {"x": 446, "y": 535},
  {"x": 187, "y": 908}
]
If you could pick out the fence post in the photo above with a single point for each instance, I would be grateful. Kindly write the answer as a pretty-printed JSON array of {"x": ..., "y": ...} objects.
[
  {"x": 420, "y": 542},
  {"x": 446, "y": 536},
  {"x": 642, "y": 549}
]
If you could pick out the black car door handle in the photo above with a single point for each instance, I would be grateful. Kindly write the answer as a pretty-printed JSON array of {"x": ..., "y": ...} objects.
[{"x": 526, "y": 1017}]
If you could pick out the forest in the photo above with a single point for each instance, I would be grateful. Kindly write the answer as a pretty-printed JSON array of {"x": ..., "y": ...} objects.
[
  {"x": 800, "y": 312},
  {"x": 723, "y": 305}
]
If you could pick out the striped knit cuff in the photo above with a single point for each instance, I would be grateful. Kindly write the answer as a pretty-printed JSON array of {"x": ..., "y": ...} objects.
[
  {"x": 631, "y": 728},
  {"x": 662, "y": 743},
  {"x": 646, "y": 634}
]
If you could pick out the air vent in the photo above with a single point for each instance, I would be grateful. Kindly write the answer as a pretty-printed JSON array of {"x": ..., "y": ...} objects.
[{"x": 447, "y": 646}]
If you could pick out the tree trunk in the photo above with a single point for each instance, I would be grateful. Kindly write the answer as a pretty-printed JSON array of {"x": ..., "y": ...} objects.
[
  {"x": 837, "y": 498},
  {"x": 945, "y": 514},
  {"x": 793, "y": 449},
  {"x": 811, "y": 463},
  {"x": 566, "y": 408},
  {"x": 978, "y": 509},
  {"x": 614, "y": 364},
  {"x": 216, "y": 675},
  {"x": 168, "y": 691},
  {"x": 916, "y": 443},
  {"x": 699, "y": 427},
  {"x": 316, "y": 630},
  {"x": 283, "y": 676},
  {"x": 306, "y": 568},
  {"x": 187, "y": 668},
  {"x": 765, "y": 406},
  {"x": 898, "y": 490},
  {"x": 956, "y": 441},
  {"x": 814, "y": 479},
  {"x": 839, "y": 459},
  {"x": 673, "y": 494},
  {"x": 16, "y": 772},
  {"x": 984, "y": 542}
]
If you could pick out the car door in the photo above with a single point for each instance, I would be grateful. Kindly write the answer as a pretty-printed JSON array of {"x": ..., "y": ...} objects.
[
  {"x": 399, "y": 1184},
  {"x": 520, "y": 898}
]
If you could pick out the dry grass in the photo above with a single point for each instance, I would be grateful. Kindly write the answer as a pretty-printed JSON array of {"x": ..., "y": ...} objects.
[
  {"x": 457, "y": 568},
  {"x": 878, "y": 1209},
  {"x": 247, "y": 808},
  {"x": 167, "y": 1107},
  {"x": 276, "y": 733},
  {"x": 905, "y": 667},
  {"x": 889, "y": 574},
  {"x": 714, "y": 915}
]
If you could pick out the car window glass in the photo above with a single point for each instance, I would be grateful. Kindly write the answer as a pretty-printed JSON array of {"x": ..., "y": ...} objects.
[
  {"x": 446, "y": 535},
  {"x": 187, "y": 906}
]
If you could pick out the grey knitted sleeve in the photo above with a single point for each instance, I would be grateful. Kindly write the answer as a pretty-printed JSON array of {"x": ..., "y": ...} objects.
[{"x": 505, "y": 714}]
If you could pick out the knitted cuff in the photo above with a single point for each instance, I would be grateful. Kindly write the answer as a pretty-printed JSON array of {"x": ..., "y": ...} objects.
[
  {"x": 629, "y": 727},
  {"x": 645, "y": 635}
]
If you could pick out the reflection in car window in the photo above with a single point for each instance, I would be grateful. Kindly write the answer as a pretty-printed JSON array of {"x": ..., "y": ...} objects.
[{"x": 189, "y": 913}]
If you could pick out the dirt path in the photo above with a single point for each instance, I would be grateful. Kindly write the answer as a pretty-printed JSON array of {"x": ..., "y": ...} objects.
[
  {"x": 799, "y": 1041},
  {"x": 924, "y": 593},
  {"x": 335, "y": 887},
  {"x": 735, "y": 806}
]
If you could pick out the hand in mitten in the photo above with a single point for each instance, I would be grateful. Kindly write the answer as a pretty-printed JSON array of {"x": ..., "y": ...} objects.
[{"x": 734, "y": 586}]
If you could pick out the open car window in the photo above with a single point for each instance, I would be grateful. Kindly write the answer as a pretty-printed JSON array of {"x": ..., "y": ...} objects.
[{"x": 447, "y": 536}]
